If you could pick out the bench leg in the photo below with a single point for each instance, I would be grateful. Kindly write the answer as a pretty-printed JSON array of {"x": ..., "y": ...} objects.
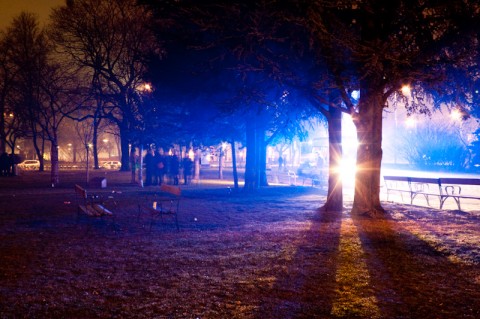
[
  {"x": 428, "y": 201},
  {"x": 456, "y": 199}
]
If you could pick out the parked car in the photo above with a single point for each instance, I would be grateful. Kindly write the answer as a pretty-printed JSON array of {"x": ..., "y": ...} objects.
[
  {"x": 111, "y": 165},
  {"x": 29, "y": 164}
]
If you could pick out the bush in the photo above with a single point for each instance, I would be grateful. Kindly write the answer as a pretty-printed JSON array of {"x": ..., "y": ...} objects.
[{"x": 434, "y": 145}]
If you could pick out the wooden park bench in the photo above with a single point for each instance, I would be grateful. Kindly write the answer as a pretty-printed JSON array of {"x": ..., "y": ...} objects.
[
  {"x": 292, "y": 177},
  {"x": 411, "y": 186},
  {"x": 91, "y": 205},
  {"x": 161, "y": 205},
  {"x": 442, "y": 188},
  {"x": 452, "y": 188}
]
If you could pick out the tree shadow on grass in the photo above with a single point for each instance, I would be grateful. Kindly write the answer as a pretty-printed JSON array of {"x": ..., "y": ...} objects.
[
  {"x": 306, "y": 286},
  {"x": 410, "y": 279}
]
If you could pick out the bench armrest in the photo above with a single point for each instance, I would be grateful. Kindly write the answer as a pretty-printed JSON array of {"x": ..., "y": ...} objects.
[{"x": 453, "y": 190}]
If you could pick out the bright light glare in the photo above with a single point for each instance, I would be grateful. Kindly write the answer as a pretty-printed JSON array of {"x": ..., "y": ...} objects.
[
  {"x": 410, "y": 122},
  {"x": 355, "y": 95},
  {"x": 348, "y": 169},
  {"x": 406, "y": 90},
  {"x": 456, "y": 115},
  {"x": 145, "y": 87}
]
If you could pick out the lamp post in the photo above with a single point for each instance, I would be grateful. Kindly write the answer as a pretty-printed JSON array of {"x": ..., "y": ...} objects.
[
  {"x": 88, "y": 145},
  {"x": 142, "y": 88}
]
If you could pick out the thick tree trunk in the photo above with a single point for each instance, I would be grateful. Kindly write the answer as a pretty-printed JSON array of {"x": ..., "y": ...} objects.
[
  {"x": 262, "y": 157},
  {"x": 38, "y": 151},
  {"x": 133, "y": 164},
  {"x": 140, "y": 165},
  {"x": 234, "y": 164},
  {"x": 54, "y": 172},
  {"x": 87, "y": 171},
  {"x": 124, "y": 141},
  {"x": 221, "y": 161},
  {"x": 251, "y": 165},
  {"x": 198, "y": 156},
  {"x": 335, "y": 186},
  {"x": 3, "y": 136},
  {"x": 369, "y": 155},
  {"x": 95, "y": 145}
]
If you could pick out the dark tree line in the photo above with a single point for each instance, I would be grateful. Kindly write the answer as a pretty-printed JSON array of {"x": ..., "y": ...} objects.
[
  {"x": 327, "y": 50},
  {"x": 256, "y": 70}
]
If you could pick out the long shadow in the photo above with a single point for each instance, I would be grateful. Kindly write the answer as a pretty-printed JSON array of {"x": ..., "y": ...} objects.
[
  {"x": 306, "y": 287},
  {"x": 410, "y": 279}
]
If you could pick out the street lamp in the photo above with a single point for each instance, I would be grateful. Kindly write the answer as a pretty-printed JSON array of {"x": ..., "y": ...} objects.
[
  {"x": 456, "y": 115},
  {"x": 406, "y": 90},
  {"x": 145, "y": 87}
]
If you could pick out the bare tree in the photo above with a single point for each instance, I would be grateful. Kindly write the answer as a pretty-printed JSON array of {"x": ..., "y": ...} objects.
[
  {"x": 110, "y": 41},
  {"x": 7, "y": 73},
  {"x": 28, "y": 56},
  {"x": 41, "y": 87},
  {"x": 56, "y": 84}
]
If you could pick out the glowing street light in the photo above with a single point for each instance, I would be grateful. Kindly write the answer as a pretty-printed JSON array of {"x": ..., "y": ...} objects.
[
  {"x": 410, "y": 122},
  {"x": 145, "y": 87},
  {"x": 456, "y": 115},
  {"x": 406, "y": 90}
]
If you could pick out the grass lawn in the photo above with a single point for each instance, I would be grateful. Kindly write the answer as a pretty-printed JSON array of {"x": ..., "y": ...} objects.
[{"x": 268, "y": 254}]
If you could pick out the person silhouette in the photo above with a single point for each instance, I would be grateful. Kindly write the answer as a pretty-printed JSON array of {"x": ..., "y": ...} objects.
[
  {"x": 149, "y": 167},
  {"x": 187, "y": 169}
]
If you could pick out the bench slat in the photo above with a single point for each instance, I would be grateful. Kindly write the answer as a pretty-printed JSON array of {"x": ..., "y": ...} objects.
[
  {"x": 419, "y": 186},
  {"x": 89, "y": 208},
  {"x": 396, "y": 178},
  {"x": 171, "y": 189},
  {"x": 424, "y": 180},
  {"x": 460, "y": 181}
]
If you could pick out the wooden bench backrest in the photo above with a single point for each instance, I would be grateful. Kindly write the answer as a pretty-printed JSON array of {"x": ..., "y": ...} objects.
[
  {"x": 428, "y": 180},
  {"x": 396, "y": 178},
  {"x": 174, "y": 190},
  {"x": 460, "y": 181},
  {"x": 80, "y": 191},
  {"x": 425, "y": 180}
]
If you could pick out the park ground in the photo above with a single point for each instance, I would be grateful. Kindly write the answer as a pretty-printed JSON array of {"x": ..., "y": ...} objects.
[{"x": 268, "y": 254}]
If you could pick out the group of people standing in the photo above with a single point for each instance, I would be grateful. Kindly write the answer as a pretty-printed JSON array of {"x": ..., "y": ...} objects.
[
  {"x": 159, "y": 166},
  {"x": 7, "y": 164}
]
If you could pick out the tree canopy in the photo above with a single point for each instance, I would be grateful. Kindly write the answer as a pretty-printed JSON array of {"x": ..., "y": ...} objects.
[{"x": 259, "y": 67}]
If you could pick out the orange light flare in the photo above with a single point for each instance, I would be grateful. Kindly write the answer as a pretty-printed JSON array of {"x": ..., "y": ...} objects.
[
  {"x": 456, "y": 115},
  {"x": 406, "y": 90}
]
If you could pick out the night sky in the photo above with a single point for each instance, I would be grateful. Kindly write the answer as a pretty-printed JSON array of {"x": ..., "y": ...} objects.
[{"x": 11, "y": 8}]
